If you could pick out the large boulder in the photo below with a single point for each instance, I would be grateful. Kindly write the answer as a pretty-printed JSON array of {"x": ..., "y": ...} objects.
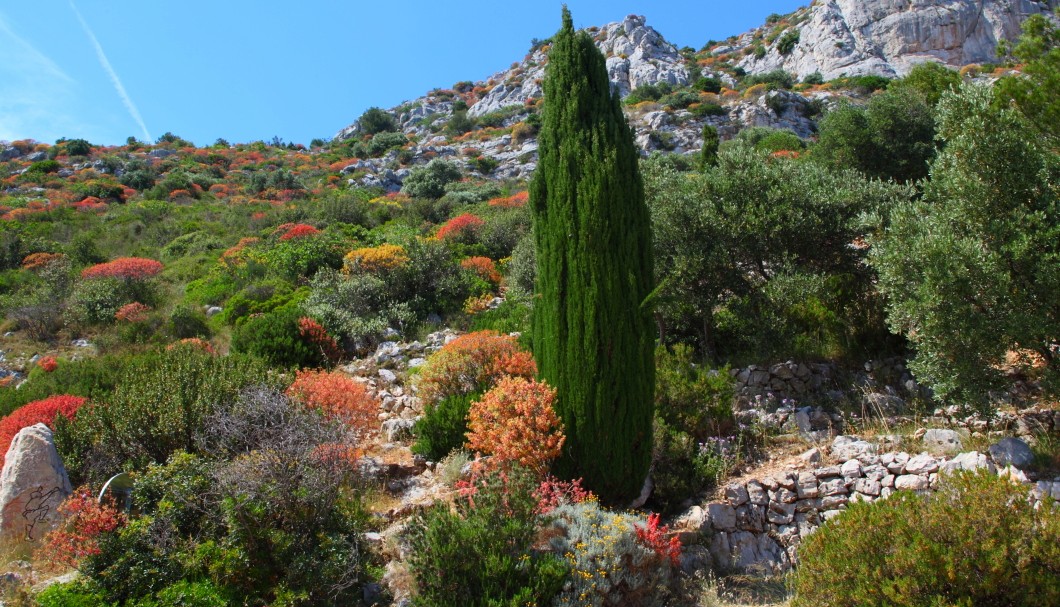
[
  {"x": 1011, "y": 452},
  {"x": 32, "y": 485}
]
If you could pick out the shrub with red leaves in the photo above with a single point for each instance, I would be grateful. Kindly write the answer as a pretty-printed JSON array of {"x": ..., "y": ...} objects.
[
  {"x": 48, "y": 363},
  {"x": 483, "y": 267},
  {"x": 39, "y": 411},
  {"x": 85, "y": 520},
  {"x": 653, "y": 535},
  {"x": 338, "y": 396},
  {"x": 313, "y": 333},
  {"x": 41, "y": 261},
  {"x": 299, "y": 230},
  {"x": 127, "y": 268},
  {"x": 511, "y": 202},
  {"x": 132, "y": 312},
  {"x": 462, "y": 227},
  {"x": 552, "y": 493}
]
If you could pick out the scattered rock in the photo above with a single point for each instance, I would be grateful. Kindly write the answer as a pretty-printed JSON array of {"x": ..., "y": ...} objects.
[
  {"x": 32, "y": 485},
  {"x": 942, "y": 441},
  {"x": 1012, "y": 452}
]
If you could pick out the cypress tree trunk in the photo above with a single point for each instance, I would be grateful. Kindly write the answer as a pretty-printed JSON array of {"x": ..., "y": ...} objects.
[{"x": 592, "y": 326}]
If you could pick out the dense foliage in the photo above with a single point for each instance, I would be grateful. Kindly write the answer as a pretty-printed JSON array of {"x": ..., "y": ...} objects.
[
  {"x": 592, "y": 316},
  {"x": 976, "y": 541}
]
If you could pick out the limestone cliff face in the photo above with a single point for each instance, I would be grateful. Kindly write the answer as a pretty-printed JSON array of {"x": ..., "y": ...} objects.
[
  {"x": 636, "y": 55},
  {"x": 885, "y": 37}
]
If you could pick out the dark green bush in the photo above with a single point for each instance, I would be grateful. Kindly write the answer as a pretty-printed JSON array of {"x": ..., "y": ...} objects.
[
  {"x": 482, "y": 554},
  {"x": 276, "y": 338},
  {"x": 443, "y": 427},
  {"x": 681, "y": 468},
  {"x": 708, "y": 85},
  {"x": 977, "y": 541},
  {"x": 679, "y": 100},
  {"x": 786, "y": 43},
  {"x": 776, "y": 79},
  {"x": 708, "y": 109},
  {"x": 375, "y": 120},
  {"x": 690, "y": 397},
  {"x": 185, "y": 322}
]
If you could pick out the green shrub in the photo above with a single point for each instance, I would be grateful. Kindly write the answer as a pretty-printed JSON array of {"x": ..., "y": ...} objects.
[
  {"x": 161, "y": 399},
  {"x": 186, "y": 321},
  {"x": 482, "y": 554},
  {"x": 977, "y": 541},
  {"x": 188, "y": 594},
  {"x": 356, "y": 309},
  {"x": 91, "y": 377},
  {"x": 70, "y": 594},
  {"x": 375, "y": 120},
  {"x": 679, "y": 100},
  {"x": 443, "y": 427},
  {"x": 681, "y": 467},
  {"x": 429, "y": 181},
  {"x": 786, "y": 43},
  {"x": 814, "y": 78},
  {"x": 708, "y": 85},
  {"x": 94, "y": 302},
  {"x": 690, "y": 397},
  {"x": 277, "y": 338},
  {"x": 776, "y": 79},
  {"x": 708, "y": 109}
]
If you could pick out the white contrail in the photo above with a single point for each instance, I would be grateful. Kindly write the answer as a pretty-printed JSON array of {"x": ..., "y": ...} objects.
[
  {"x": 129, "y": 105},
  {"x": 39, "y": 57}
]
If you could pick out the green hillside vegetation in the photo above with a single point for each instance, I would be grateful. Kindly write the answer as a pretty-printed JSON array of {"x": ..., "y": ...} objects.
[{"x": 211, "y": 303}]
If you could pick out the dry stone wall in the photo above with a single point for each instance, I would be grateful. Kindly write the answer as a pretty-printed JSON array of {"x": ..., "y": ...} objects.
[{"x": 759, "y": 523}]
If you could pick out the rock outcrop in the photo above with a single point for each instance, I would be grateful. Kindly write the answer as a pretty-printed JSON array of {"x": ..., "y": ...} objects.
[
  {"x": 636, "y": 55},
  {"x": 32, "y": 485},
  {"x": 885, "y": 37}
]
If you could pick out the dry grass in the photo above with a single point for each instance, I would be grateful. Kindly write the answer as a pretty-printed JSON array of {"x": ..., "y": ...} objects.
[{"x": 743, "y": 591}]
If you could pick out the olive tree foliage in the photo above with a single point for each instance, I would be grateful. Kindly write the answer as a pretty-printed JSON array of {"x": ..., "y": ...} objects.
[
  {"x": 429, "y": 181},
  {"x": 972, "y": 270},
  {"x": 1034, "y": 90},
  {"x": 747, "y": 249}
]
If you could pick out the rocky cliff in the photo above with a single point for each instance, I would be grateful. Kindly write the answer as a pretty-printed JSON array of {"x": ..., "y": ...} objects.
[{"x": 882, "y": 37}]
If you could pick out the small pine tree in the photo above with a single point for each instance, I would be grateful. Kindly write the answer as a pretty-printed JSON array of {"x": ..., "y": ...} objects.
[{"x": 592, "y": 327}]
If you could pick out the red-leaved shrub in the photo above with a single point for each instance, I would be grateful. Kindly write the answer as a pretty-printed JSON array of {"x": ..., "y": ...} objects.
[
  {"x": 298, "y": 230},
  {"x": 39, "y": 411},
  {"x": 516, "y": 423},
  {"x": 315, "y": 334},
  {"x": 483, "y": 267},
  {"x": 85, "y": 519},
  {"x": 132, "y": 312},
  {"x": 461, "y": 227},
  {"x": 472, "y": 363},
  {"x": 48, "y": 363},
  {"x": 127, "y": 268},
  {"x": 337, "y": 395}
]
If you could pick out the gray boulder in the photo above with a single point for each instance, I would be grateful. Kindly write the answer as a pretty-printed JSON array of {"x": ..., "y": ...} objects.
[
  {"x": 1011, "y": 452},
  {"x": 942, "y": 441},
  {"x": 32, "y": 485}
]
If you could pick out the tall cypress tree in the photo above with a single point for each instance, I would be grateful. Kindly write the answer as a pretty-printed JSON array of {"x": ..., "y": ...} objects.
[{"x": 592, "y": 326}]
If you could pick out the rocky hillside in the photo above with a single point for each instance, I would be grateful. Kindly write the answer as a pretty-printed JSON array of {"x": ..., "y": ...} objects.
[
  {"x": 489, "y": 126},
  {"x": 882, "y": 37}
]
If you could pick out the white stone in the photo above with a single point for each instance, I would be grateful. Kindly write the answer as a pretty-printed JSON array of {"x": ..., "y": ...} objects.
[
  {"x": 911, "y": 482},
  {"x": 32, "y": 485}
]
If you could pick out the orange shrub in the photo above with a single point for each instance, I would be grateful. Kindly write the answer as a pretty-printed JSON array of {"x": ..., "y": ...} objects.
[
  {"x": 193, "y": 342},
  {"x": 39, "y": 261},
  {"x": 337, "y": 396},
  {"x": 48, "y": 363},
  {"x": 516, "y": 423},
  {"x": 37, "y": 412},
  {"x": 461, "y": 227},
  {"x": 513, "y": 201},
  {"x": 472, "y": 363},
  {"x": 483, "y": 267},
  {"x": 375, "y": 259},
  {"x": 128, "y": 268}
]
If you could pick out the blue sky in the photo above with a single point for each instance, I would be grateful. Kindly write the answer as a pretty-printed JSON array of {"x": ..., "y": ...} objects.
[{"x": 246, "y": 70}]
